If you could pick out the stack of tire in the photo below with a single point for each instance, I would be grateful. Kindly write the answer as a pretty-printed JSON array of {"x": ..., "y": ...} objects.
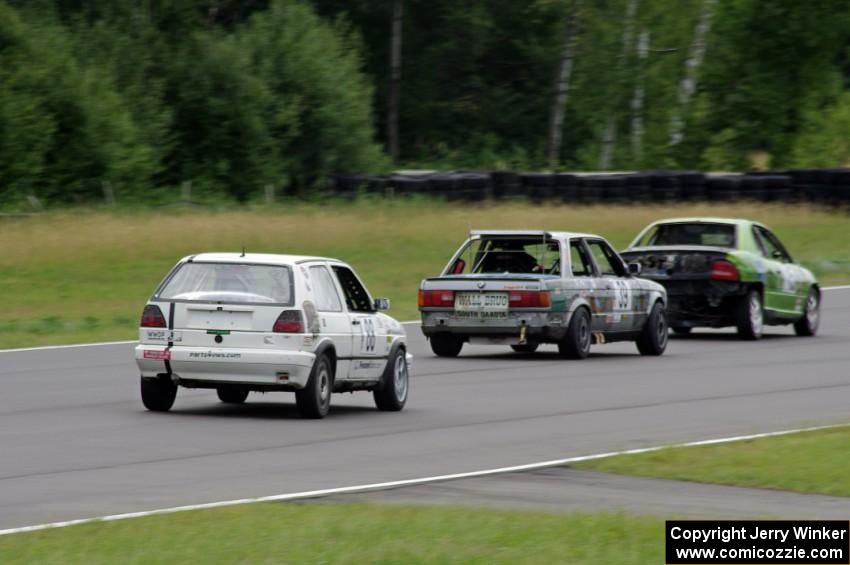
[
  {"x": 723, "y": 188},
  {"x": 407, "y": 185},
  {"x": 467, "y": 186},
  {"x": 822, "y": 186},
  {"x": 639, "y": 188},
  {"x": 760, "y": 187},
  {"x": 566, "y": 187},
  {"x": 538, "y": 186},
  {"x": 347, "y": 186},
  {"x": 506, "y": 184},
  {"x": 841, "y": 187}
]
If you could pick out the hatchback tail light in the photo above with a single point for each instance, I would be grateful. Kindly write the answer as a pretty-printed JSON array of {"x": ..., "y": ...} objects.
[
  {"x": 152, "y": 317},
  {"x": 436, "y": 298},
  {"x": 529, "y": 299},
  {"x": 289, "y": 322},
  {"x": 724, "y": 271}
]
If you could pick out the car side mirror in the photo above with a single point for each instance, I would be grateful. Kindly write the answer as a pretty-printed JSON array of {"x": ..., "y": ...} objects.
[
  {"x": 777, "y": 254},
  {"x": 635, "y": 269},
  {"x": 382, "y": 304}
]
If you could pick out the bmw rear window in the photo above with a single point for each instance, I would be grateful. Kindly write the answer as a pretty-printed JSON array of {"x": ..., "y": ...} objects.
[{"x": 231, "y": 283}]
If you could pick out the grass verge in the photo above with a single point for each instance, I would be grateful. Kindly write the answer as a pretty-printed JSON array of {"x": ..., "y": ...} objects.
[
  {"x": 809, "y": 462},
  {"x": 83, "y": 275},
  {"x": 348, "y": 533}
]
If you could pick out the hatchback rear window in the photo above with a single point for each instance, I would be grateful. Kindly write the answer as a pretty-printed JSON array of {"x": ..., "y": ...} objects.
[
  {"x": 231, "y": 283},
  {"x": 697, "y": 233}
]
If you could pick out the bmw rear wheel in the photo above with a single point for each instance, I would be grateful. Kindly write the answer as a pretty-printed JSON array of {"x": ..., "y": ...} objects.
[
  {"x": 653, "y": 337},
  {"x": 576, "y": 344},
  {"x": 446, "y": 345},
  {"x": 529, "y": 347}
]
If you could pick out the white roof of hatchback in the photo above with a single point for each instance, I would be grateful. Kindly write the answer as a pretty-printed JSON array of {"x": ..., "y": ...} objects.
[{"x": 258, "y": 258}]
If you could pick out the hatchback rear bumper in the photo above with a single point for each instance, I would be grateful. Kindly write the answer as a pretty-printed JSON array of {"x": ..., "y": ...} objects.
[{"x": 268, "y": 368}]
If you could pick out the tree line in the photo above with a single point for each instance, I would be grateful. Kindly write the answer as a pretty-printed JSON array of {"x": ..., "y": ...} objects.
[{"x": 142, "y": 97}]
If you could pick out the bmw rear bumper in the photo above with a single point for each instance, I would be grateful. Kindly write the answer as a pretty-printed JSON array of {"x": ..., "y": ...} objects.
[{"x": 541, "y": 326}]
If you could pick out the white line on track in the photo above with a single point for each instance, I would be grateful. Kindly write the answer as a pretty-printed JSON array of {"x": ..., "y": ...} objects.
[
  {"x": 70, "y": 345},
  {"x": 403, "y": 483},
  {"x": 44, "y": 347}
]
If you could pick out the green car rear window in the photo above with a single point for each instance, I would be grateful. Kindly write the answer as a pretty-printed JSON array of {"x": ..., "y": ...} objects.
[{"x": 697, "y": 233}]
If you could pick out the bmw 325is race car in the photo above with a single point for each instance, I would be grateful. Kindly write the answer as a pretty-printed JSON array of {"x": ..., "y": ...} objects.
[
  {"x": 726, "y": 272},
  {"x": 257, "y": 322},
  {"x": 524, "y": 288}
]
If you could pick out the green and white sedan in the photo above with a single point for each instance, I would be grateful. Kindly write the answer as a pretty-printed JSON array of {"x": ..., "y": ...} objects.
[{"x": 726, "y": 272}]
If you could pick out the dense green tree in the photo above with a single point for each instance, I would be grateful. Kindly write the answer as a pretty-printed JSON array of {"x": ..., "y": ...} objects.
[
  {"x": 65, "y": 130},
  {"x": 139, "y": 97},
  {"x": 770, "y": 63},
  {"x": 319, "y": 109}
]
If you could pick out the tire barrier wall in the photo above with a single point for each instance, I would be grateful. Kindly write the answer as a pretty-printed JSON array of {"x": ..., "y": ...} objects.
[{"x": 822, "y": 186}]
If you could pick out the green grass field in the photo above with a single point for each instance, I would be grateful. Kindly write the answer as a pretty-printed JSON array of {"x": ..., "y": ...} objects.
[
  {"x": 82, "y": 275},
  {"x": 810, "y": 462},
  {"x": 348, "y": 533}
]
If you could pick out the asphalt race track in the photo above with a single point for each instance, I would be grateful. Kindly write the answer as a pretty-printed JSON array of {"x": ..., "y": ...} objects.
[{"x": 75, "y": 441}]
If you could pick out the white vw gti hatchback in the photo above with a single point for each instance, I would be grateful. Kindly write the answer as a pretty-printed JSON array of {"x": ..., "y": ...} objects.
[{"x": 258, "y": 322}]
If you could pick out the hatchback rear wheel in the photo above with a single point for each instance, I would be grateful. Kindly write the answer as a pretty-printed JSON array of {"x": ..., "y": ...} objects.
[
  {"x": 314, "y": 400},
  {"x": 158, "y": 393},
  {"x": 232, "y": 394}
]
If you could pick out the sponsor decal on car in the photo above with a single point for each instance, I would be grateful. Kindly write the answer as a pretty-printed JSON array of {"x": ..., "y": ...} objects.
[
  {"x": 157, "y": 354},
  {"x": 213, "y": 355},
  {"x": 480, "y": 315}
]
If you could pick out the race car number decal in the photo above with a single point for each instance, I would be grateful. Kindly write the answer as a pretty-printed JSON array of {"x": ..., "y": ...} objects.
[
  {"x": 367, "y": 334},
  {"x": 789, "y": 278},
  {"x": 622, "y": 296}
]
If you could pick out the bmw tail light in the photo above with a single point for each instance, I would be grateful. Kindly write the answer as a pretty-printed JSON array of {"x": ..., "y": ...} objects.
[
  {"x": 724, "y": 271},
  {"x": 152, "y": 317},
  {"x": 436, "y": 298},
  {"x": 289, "y": 322},
  {"x": 529, "y": 299}
]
